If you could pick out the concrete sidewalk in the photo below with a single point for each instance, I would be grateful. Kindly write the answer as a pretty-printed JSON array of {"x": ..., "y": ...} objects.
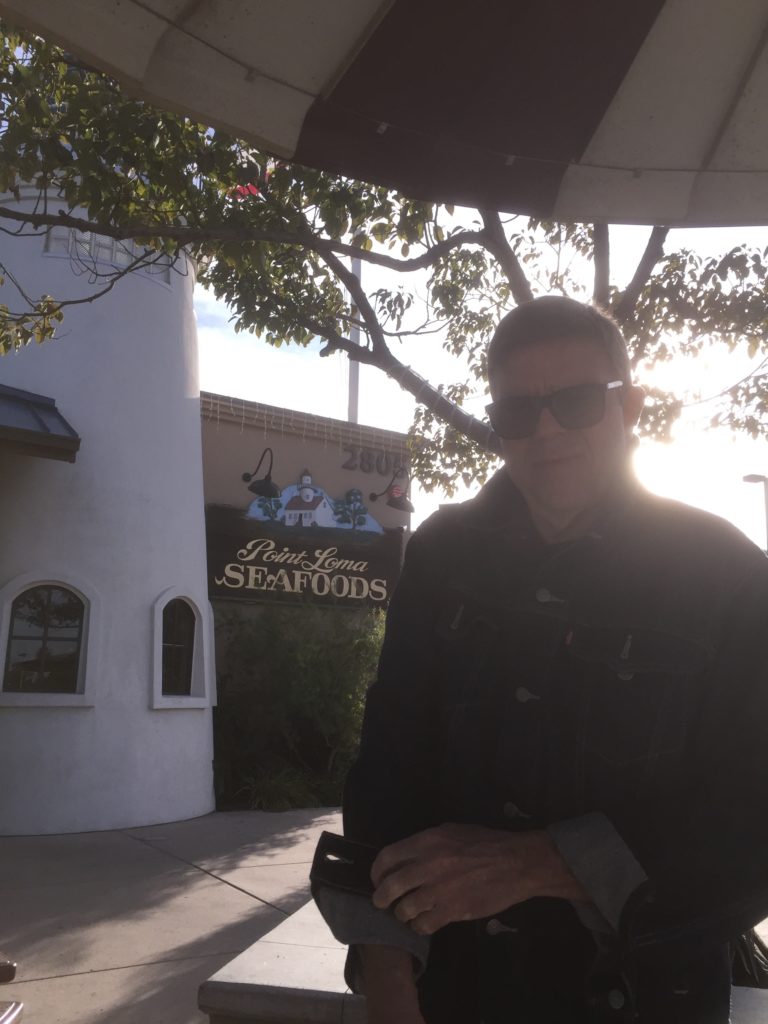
[{"x": 122, "y": 927}]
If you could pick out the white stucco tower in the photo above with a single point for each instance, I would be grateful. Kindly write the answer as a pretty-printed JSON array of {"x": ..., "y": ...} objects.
[{"x": 106, "y": 678}]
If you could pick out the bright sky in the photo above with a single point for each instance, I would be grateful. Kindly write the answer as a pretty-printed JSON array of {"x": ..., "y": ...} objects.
[{"x": 701, "y": 466}]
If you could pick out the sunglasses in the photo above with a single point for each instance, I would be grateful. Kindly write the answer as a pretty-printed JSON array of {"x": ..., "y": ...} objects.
[{"x": 515, "y": 417}]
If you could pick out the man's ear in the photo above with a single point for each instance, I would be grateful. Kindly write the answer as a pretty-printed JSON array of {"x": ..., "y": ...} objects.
[{"x": 632, "y": 405}]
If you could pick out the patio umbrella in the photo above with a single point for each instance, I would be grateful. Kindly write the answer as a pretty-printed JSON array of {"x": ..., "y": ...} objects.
[{"x": 599, "y": 110}]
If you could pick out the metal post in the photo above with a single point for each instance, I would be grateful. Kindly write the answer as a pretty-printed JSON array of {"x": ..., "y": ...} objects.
[
  {"x": 758, "y": 478},
  {"x": 354, "y": 366}
]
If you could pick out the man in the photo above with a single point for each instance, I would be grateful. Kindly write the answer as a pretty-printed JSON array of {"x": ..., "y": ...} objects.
[{"x": 562, "y": 758}]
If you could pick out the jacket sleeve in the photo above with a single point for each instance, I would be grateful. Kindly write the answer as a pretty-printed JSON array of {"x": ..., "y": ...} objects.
[
  {"x": 692, "y": 871},
  {"x": 604, "y": 865},
  {"x": 390, "y": 790}
]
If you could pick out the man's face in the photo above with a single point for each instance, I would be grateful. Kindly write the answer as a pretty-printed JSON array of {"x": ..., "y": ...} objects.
[{"x": 563, "y": 472}]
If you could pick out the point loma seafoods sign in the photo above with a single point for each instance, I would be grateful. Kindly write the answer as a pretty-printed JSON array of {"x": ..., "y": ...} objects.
[{"x": 302, "y": 545}]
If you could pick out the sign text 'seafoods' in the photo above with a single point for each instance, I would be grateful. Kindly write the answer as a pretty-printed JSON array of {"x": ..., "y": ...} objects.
[{"x": 264, "y": 565}]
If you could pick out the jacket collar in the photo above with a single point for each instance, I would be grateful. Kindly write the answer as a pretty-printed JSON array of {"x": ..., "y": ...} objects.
[{"x": 500, "y": 507}]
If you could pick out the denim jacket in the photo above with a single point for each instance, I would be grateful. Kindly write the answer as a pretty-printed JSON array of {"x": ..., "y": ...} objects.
[{"x": 612, "y": 690}]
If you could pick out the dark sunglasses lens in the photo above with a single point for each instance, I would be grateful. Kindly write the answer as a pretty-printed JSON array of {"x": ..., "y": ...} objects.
[
  {"x": 580, "y": 406},
  {"x": 515, "y": 417}
]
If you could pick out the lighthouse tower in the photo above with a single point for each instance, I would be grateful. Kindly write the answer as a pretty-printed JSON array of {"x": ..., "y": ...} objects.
[
  {"x": 106, "y": 681},
  {"x": 306, "y": 490}
]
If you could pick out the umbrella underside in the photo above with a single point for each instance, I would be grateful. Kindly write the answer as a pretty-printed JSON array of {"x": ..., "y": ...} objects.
[{"x": 653, "y": 112}]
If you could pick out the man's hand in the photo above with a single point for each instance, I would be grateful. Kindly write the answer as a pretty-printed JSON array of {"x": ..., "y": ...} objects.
[{"x": 465, "y": 872}]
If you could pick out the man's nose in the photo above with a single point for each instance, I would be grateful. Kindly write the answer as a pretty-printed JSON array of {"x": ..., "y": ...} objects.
[{"x": 547, "y": 425}]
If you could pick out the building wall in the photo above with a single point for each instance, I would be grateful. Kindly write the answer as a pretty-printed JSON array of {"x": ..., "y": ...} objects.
[
  {"x": 124, "y": 525},
  {"x": 338, "y": 455},
  {"x": 325, "y": 537}
]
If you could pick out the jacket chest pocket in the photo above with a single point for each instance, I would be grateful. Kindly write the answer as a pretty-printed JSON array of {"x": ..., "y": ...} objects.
[
  {"x": 468, "y": 636},
  {"x": 638, "y": 691}
]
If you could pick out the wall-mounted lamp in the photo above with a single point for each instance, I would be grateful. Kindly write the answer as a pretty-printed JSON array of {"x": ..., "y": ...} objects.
[
  {"x": 397, "y": 497},
  {"x": 264, "y": 487}
]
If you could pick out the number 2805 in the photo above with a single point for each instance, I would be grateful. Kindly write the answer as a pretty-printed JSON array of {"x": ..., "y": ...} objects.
[{"x": 371, "y": 460}]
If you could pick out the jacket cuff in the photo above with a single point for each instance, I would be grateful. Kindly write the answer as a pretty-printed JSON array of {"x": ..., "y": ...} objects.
[
  {"x": 355, "y": 921},
  {"x": 601, "y": 860}
]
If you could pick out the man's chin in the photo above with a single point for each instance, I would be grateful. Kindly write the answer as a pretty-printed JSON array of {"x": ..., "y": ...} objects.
[{"x": 562, "y": 494}]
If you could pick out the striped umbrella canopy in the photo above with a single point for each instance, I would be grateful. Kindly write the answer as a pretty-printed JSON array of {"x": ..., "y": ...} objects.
[{"x": 634, "y": 111}]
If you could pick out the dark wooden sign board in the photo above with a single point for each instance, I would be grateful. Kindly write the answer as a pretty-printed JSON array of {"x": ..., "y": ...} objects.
[{"x": 252, "y": 560}]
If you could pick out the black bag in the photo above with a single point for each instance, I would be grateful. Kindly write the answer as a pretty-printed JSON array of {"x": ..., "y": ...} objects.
[
  {"x": 342, "y": 864},
  {"x": 750, "y": 961}
]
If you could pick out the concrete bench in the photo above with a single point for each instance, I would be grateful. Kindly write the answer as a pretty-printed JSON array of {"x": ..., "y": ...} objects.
[
  {"x": 749, "y": 1006},
  {"x": 294, "y": 975}
]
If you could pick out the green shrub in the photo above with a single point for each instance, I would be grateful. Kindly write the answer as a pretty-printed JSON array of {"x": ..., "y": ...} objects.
[{"x": 291, "y": 691}]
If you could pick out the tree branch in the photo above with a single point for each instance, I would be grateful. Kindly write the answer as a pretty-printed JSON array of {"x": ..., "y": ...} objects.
[
  {"x": 335, "y": 342},
  {"x": 223, "y": 233},
  {"x": 654, "y": 250},
  {"x": 379, "y": 354},
  {"x": 496, "y": 243},
  {"x": 602, "y": 258},
  {"x": 112, "y": 279},
  {"x": 381, "y": 357},
  {"x": 409, "y": 381},
  {"x": 352, "y": 283},
  {"x": 428, "y": 395},
  {"x": 427, "y": 327},
  {"x": 423, "y": 262}
]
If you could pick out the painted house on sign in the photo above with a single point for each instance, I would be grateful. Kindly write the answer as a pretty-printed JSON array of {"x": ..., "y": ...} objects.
[{"x": 309, "y": 507}]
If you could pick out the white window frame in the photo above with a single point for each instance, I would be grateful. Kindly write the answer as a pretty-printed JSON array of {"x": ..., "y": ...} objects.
[
  {"x": 90, "y": 640},
  {"x": 202, "y": 689}
]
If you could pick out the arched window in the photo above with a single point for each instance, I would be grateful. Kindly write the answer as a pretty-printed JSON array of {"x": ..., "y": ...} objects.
[
  {"x": 178, "y": 648},
  {"x": 45, "y": 641}
]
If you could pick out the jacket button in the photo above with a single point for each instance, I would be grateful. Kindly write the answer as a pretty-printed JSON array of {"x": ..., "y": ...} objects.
[
  {"x": 616, "y": 999},
  {"x": 523, "y": 695}
]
